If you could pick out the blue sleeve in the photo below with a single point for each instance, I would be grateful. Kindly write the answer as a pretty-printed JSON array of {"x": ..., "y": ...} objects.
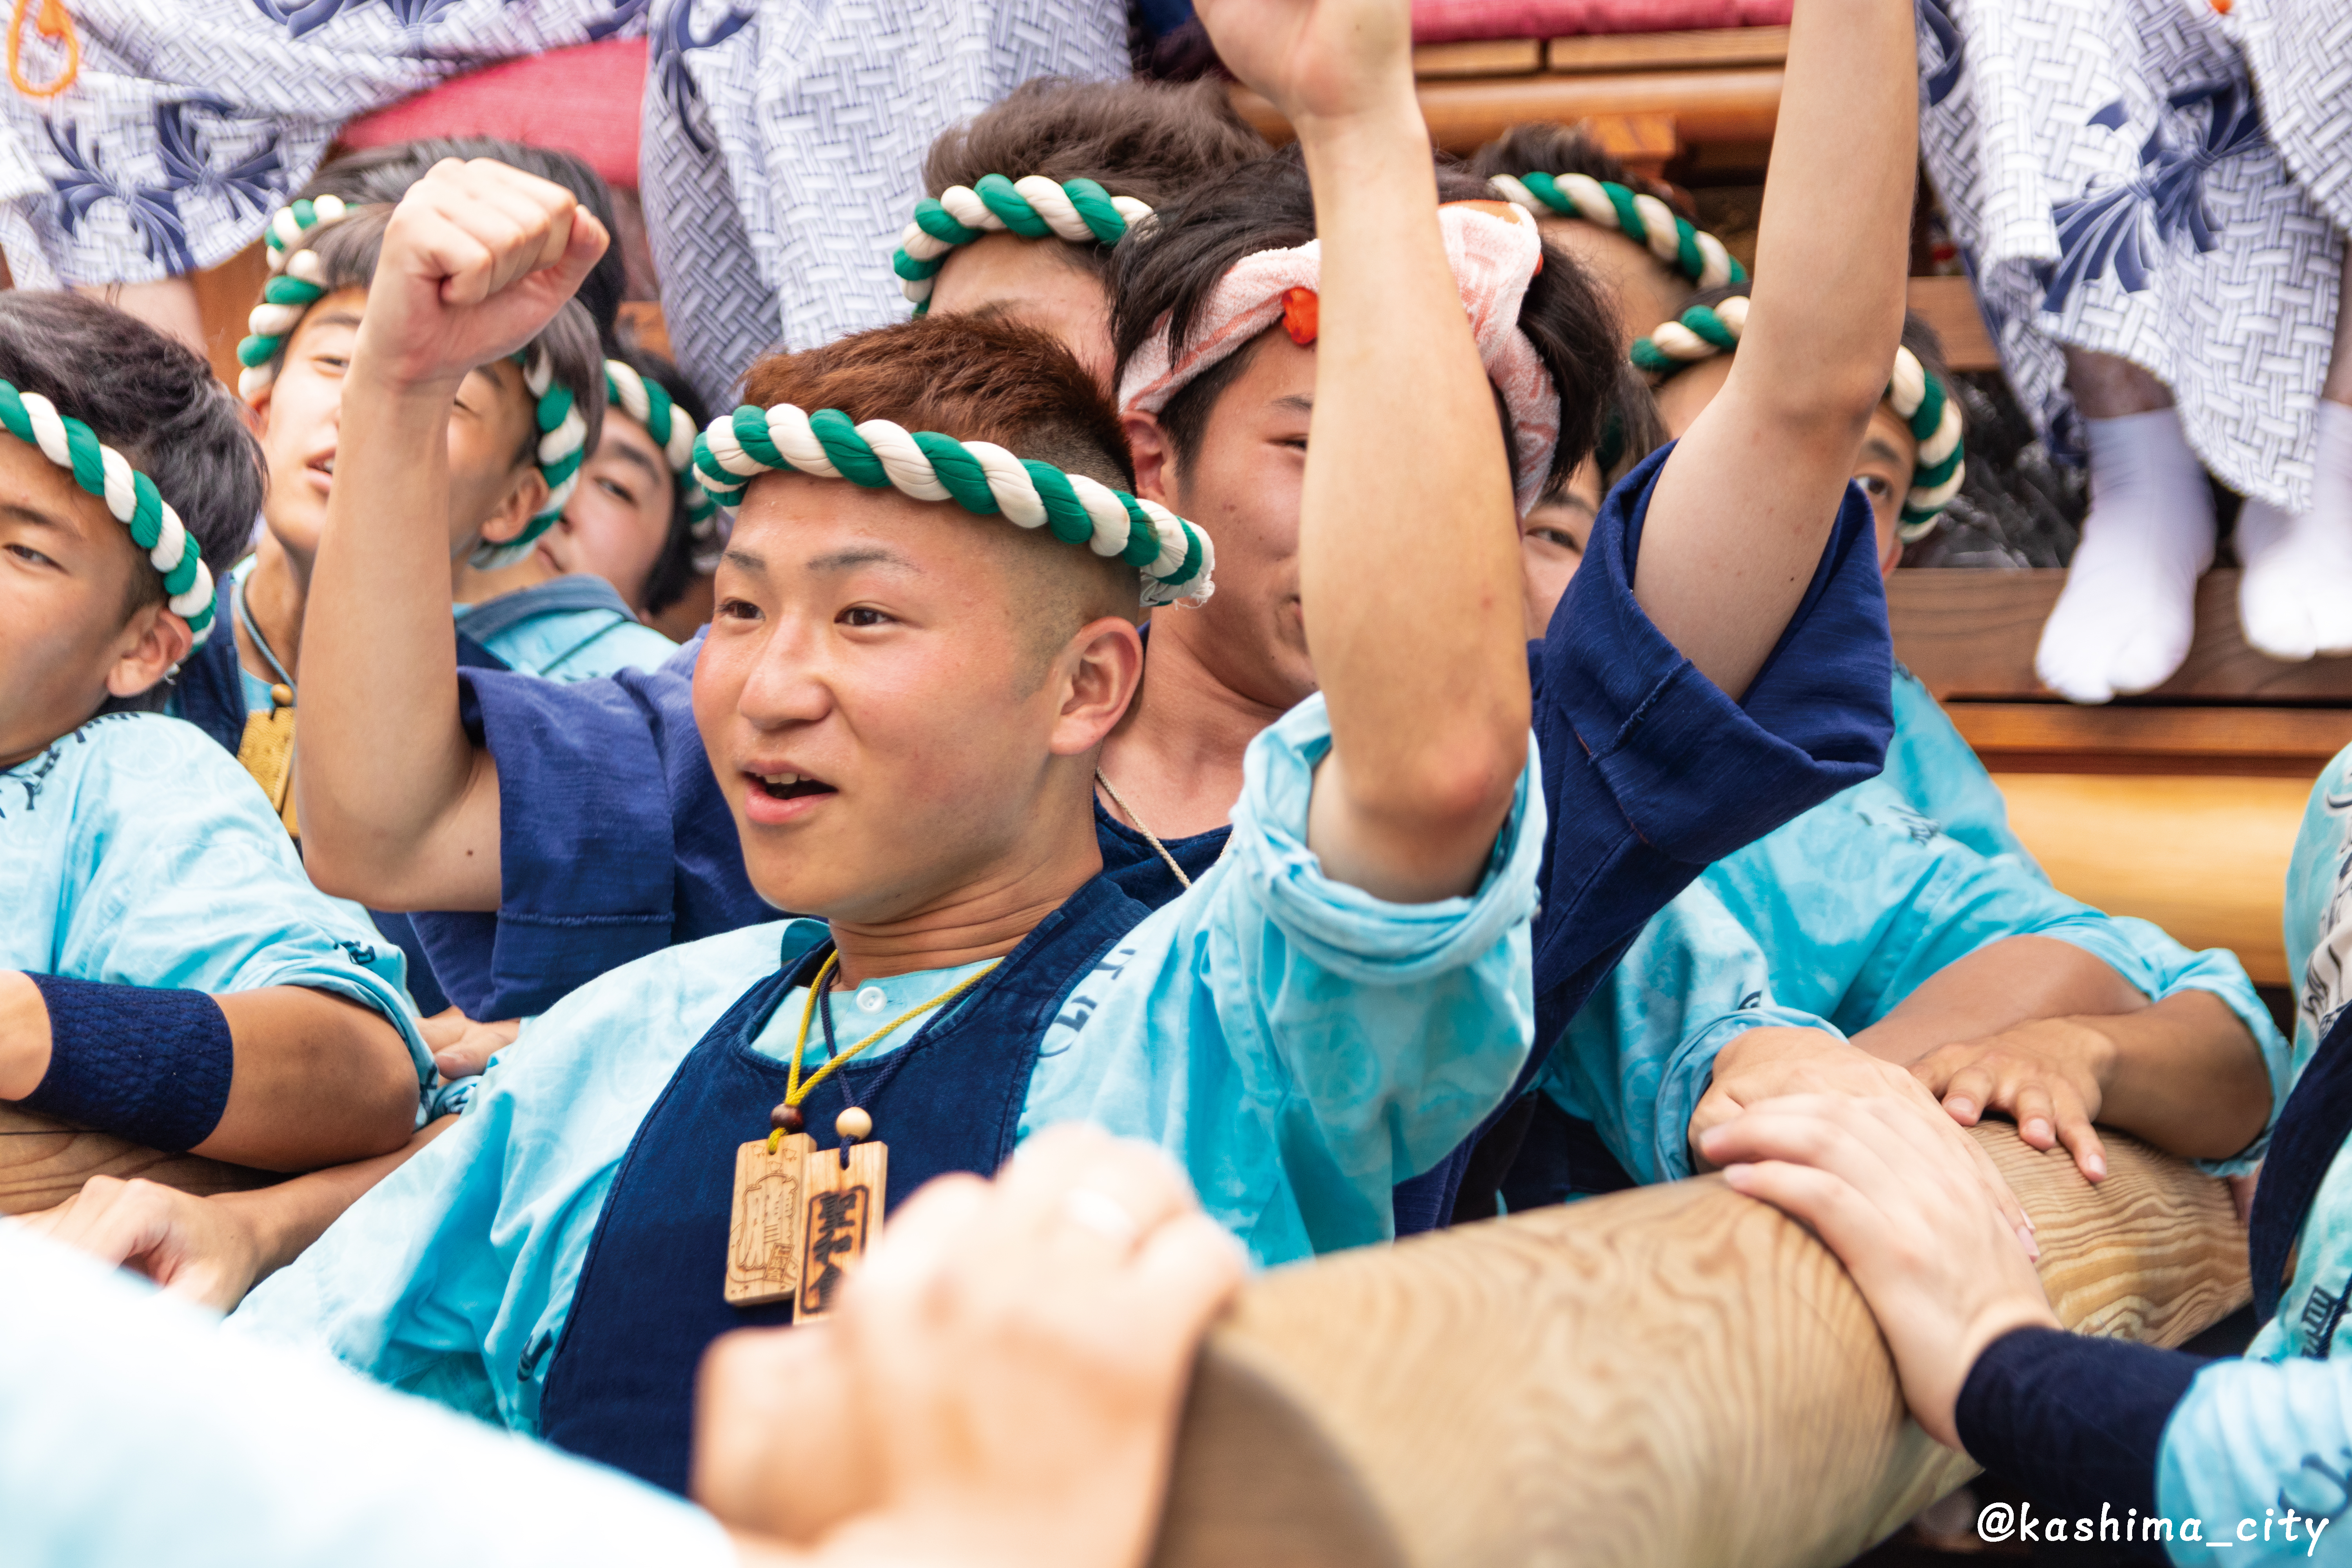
[
  {"x": 1939, "y": 772},
  {"x": 2251, "y": 1440},
  {"x": 613, "y": 839},
  {"x": 132, "y": 1431},
  {"x": 1650, "y": 770},
  {"x": 2078, "y": 1420}
]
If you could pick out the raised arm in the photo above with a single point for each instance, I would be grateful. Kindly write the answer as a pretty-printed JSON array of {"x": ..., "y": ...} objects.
[
  {"x": 1409, "y": 561},
  {"x": 1746, "y": 502},
  {"x": 398, "y": 808}
]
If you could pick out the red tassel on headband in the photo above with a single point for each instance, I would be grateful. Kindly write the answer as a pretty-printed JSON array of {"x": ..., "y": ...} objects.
[{"x": 1302, "y": 311}]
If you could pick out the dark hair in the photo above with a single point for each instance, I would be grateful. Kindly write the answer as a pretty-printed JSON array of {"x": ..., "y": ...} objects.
[
  {"x": 383, "y": 175},
  {"x": 1630, "y": 430},
  {"x": 674, "y": 568},
  {"x": 976, "y": 378},
  {"x": 1920, "y": 338},
  {"x": 1167, "y": 272},
  {"x": 1151, "y": 141},
  {"x": 347, "y": 251},
  {"x": 151, "y": 398}
]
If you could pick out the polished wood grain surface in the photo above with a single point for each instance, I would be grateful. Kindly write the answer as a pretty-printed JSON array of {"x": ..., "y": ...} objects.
[
  {"x": 1740, "y": 103},
  {"x": 2203, "y": 858},
  {"x": 44, "y": 1163},
  {"x": 1668, "y": 51},
  {"x": 1673, "y": 1375}
]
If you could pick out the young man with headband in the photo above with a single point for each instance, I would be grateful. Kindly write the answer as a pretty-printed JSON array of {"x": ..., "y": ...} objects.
[
  {"x": 927, "y": 623},
  {"x": 167, "y": 973}
]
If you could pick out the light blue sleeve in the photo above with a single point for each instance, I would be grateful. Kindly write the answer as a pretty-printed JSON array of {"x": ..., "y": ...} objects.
[
  {"x": 1298, "y": 1043},
  {"x": 1640, "y": 1052},
  {"x": 1830, "y": 922},
  {"x": 2249, "y": 1440},
  {"x": 453, "y": 1277},
  {"x": 177, "y": 874},
  {"x": 132, "y": 1431},
  {"x": 1939, "y": 772},
  {"x": 2318, "y": 915}
]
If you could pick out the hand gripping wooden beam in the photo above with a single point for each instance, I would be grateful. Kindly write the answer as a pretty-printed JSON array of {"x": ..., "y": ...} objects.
[{"x": 1678, "y": 1376}]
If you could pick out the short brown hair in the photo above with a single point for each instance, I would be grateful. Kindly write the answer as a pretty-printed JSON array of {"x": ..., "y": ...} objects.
[
  {"x": 981, "y": 378},
  {"x": 1548, "y": 147}
]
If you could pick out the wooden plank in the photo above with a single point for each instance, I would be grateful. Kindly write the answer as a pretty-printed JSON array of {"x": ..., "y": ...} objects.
[
  {"x": 225, "y": 296},
  {"x": 644, "y": 318},
  {"x": 1949, "y": 305},
  {"x": 1972, "y": 635},
  {"x": 43, "y": 1162},
  {"x": 2057, "y": 737},
  {"x": 1671, "y": 1375},
  {"x": 2203, "y": 858},
  {"x": 1479, "y": 57},
  {"x": 1669, "y": 51},
  {"x": 1739, "y": 104},
  {"x": 1643, "y": 143}
]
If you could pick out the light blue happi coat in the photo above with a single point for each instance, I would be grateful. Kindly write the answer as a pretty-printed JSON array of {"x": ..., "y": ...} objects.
[
  {"x": 137, "y": 852},
  {"x": 575, "y": 628},
  {"x": 1830, "y": 922},
  {"x": 2274, "y": 1429},
  {"x": 132, "y": 1430},
  {"x": 1298, "y": 1044}
]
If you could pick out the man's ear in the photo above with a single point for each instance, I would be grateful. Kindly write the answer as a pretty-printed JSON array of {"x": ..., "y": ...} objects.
[
  {"x": 526, "y": 500},
  {"x": 1099, "y": 673},
  {"x": 153, "y": 643},
  {"x": 1155, "y": 458}
]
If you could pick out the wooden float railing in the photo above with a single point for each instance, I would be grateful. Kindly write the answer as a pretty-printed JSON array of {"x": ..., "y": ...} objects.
[
  {"x": 44, "y": 1163},
  {"x": 1673, "y": 1375}
]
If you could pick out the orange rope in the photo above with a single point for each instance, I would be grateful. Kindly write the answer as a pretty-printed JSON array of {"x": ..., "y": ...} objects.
[{"x": 52, "y": 22}]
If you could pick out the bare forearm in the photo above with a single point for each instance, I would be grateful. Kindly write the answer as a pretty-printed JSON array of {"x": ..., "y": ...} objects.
[
  {"x": 1997, "y": 987},
  {"x": 1408, "y": 556},
  {"x": 285, "y": 1219},
  {"x": 383, "y": 754},
  {"x": 2188, "y": 1076},
  {"x": 1746, "y": 503},
  {"x": 318, "y": 1079}
]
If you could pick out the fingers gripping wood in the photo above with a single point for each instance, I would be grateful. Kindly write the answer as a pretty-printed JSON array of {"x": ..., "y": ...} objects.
[{"x": 1676, "y": 1374}]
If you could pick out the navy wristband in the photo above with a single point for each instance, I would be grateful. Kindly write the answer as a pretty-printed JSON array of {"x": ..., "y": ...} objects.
[
  {"x": 152, "y": 1066},
  {"x": 2078, "y": 1420}
]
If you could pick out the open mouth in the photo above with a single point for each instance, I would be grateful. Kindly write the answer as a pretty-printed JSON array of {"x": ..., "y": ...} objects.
[{"x": 791, "y": 786}]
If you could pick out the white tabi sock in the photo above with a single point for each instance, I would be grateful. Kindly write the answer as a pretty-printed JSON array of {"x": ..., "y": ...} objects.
[
  {"x": 2129, "y": 609},
  {"x": 2296, "y": 599}
]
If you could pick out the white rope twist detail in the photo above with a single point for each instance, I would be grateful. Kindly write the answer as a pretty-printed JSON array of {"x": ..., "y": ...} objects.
[
  {"x": 1655, "y": 226},
  {"x": 1079, "y": 211},
  {"x": 130, "y": 496},
  {"x": 1031, "y": 495}
]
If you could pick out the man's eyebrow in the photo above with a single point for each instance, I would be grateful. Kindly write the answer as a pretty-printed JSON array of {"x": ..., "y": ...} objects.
[
  {"x": 17, "y": 513},
  {"x": 864, "y": 555},
  {"x": 1296, "y": 403},
  {"x": 747, "y": 560},
  {"x": 341, "y": 316},
  {"x": 1878, "y": 447}
]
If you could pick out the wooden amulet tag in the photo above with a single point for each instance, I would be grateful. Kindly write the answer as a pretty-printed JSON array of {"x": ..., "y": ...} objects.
[
  {"x": 841, "y": 1216},
  {"x": 764, "y": 1230}
]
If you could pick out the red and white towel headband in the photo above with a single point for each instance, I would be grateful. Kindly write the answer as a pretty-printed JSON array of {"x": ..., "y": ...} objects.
[{"x": 1494, "y": 252}]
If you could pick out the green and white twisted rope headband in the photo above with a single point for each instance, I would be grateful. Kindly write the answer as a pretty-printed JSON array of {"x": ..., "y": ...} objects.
[
  {"x": 1919, "y": 400},
  {"x": 648, "y": 404},
  {"x": 562, "y": 448},
  {"x": 1174, "y": 557},
  {"x": 284, "y": 297},
  {"x": 128, "y": 494},
  {"x": 1645, "y": 220},
  {"x": 1033, "y": 207}
]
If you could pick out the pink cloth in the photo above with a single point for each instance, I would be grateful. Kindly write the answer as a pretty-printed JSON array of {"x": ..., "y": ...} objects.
[
  {"x": 1493, "y": 257},
  {"x": 1451, "y": 21},
  {"x": 582, "y": 101}
]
